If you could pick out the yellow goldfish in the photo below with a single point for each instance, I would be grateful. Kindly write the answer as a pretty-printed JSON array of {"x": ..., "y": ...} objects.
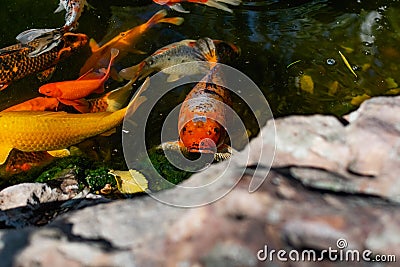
[
  {"x": 31, "y": 131},
  {"x": 123, "y": 42}
]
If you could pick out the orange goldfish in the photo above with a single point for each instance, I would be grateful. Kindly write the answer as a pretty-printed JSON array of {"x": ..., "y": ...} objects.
[
  {"x": 111, "y": 101},
  {"x": 16, "y": 62},
  {"x": 31, "y": 131},
  {"x": 202, "y": 118},
  {"x": 124, "y": 41},
  {"x": 36, "y": 104},
  {"x": 72, "y": 92},
  {"x": 203, "y": 49},
  {"x": 220, "y": 4}
]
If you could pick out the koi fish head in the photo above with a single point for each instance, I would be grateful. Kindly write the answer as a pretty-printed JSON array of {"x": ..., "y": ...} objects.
[
  {"x": 202, "y": 135},
  {"x": 50, "y": 89}
]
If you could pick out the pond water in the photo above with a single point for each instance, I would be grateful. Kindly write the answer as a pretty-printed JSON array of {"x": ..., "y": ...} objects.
[{"x": 290, "y": 50}]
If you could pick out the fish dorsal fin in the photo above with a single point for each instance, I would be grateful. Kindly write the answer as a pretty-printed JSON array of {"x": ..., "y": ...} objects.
[{"x": 4, "y": 152}]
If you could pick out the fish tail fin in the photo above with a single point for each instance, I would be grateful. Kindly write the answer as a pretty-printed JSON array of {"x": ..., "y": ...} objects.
[
  {"x": 221, "y": 4},
  {"x": 159, "y": 17},
  {"x": 117, "y": 98}
]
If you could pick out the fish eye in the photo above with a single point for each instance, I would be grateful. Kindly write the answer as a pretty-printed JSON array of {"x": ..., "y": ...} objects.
[
  {"x": 123, "y": 34},
  {"x": 216, "y": 130},
  {"x": 151, "y": 62}
]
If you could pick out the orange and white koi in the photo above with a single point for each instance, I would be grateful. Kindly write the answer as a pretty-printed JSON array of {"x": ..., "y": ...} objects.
[
  {"x": 73, "y": 92},
  {"x": 204, "y": 49},
  {"x": 220, "y": 4},
  {"x": 16, "y": 63},
  {"x": 202, "y": 119},
  {"x": 74, "y": 9},
  {"x": 123, "y": 42}
]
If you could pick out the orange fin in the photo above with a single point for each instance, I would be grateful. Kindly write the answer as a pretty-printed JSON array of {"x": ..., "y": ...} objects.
[
  {"x": 81, "y": 105},
  {"x": 94, "y": 46},
  {"x": 174, "y": 21},
  {"x": 3, "y": 86},
  {"x": 100, "y": 90}
]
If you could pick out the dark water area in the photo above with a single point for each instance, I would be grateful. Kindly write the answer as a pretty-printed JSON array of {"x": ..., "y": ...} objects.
[
  {"x": 271, "y": 34},
  {"x": 290, "y": 49}
]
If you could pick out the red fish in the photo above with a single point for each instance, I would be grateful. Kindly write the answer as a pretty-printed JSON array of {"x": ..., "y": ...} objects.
[
  {"x": 73, "y": 92},
  {"x": 220, "y": 4},
  {"x": 202, "y": 118}
]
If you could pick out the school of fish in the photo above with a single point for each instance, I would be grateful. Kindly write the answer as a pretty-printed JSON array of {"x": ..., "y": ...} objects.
[{"x": 66, "y": 113}]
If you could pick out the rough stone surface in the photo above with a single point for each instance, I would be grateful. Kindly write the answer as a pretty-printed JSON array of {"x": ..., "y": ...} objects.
[{"x": 328, "y": 182}]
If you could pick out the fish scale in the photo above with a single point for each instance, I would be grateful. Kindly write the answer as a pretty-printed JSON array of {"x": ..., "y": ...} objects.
[
  {"x": 15, "y": 62},
  {"x": 46, "y": 131}
]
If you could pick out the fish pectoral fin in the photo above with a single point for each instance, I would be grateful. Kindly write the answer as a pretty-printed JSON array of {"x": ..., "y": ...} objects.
[
  {"x": 224, "y": 152},
  {"x": 115, "y": 75},
  {"x": 93, "y": 45},
  {"x": 178, "y": 7},
  {"x": 175, "y": 146},
  {"x": 46, "y": 74},
  {"x": 99, "y": 90},
  {"x": 4, "y": 152},
  {"x": 81, "y": 105},
  {"x": 59, "y": 8},
  {"x": 60, "y": 153},
  {"x": 173, "y": 77},
  {"x": 109, "y": 132},
  {"x": 3, "y": 86}
]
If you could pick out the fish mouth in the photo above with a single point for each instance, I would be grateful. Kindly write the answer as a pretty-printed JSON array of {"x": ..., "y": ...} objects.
[{"x": 205, "y": 146}]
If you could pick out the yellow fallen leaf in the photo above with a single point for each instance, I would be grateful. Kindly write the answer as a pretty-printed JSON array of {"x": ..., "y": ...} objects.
[
  {"x": 130, "y": 182},
  {"x": 394, "y": 91},
  {"x": 346, "y": 62},
  {"x": 391, "y": 83},
  {"x": 307, "y": 84},
  {"x": 357, "y": 100}
]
